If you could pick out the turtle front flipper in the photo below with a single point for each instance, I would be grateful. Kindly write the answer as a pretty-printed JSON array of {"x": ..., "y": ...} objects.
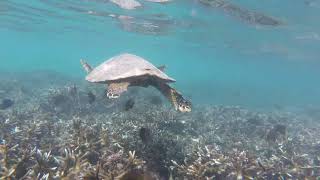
[
  {"x": 176, "y": 98},
  {"x": 162, "y": 68},
  {"x": 115, "y": 89}
]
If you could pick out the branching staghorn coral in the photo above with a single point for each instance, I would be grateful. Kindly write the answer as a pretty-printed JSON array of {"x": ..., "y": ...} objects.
[{"x": 93, "y": 141}]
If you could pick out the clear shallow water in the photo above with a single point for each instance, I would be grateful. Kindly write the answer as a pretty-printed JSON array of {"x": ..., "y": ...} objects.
[{"x": 215, "y": 58}]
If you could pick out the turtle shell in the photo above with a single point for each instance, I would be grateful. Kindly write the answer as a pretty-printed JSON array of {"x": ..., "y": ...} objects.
[{"x": 125, "y": 66}]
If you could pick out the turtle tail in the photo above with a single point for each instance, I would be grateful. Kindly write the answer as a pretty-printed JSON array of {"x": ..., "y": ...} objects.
[{"x": 86, "y": 66}]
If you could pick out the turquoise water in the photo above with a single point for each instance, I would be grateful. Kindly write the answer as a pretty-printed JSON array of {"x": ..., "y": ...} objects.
[{"x": 215, "y": 58}]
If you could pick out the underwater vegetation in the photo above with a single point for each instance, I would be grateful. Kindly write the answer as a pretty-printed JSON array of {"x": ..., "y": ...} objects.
[{"x": 62, "y": 134}]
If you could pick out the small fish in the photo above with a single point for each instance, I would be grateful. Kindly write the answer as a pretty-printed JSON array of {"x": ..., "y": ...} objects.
[
  {"x": 72, "y": 90},
  {"x": 145, "y": 135},
  {"x": 129, "y": 104},
  {"x": 281, "y": 129},
  {"x": 59, "y": 99},
  {"x": 91, "y": 97},
  {"x": 6, "y": 103},
  {"x": 86, "y": 66},
  {"x": 155, "y": 100}
]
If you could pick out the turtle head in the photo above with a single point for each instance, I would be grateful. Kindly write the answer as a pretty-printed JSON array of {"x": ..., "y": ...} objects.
[
  {"x": 180, "y": 103},
  {"x": 183, "y": 105}
]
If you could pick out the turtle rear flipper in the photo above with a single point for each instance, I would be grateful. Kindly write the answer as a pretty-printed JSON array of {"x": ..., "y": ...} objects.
[
  {"x": 115, "y": 89},
  {"x": 86, "y": 66}
]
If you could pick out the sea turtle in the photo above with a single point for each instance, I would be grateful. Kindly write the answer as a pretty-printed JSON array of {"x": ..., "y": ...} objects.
[{"x": 124, "y": 70}]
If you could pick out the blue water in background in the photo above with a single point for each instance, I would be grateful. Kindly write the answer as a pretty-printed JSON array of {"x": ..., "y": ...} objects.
[{"x": 215, "y": 58}]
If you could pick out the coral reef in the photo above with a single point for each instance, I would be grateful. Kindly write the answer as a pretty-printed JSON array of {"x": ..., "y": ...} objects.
[{"x": 60, "y": 132}]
